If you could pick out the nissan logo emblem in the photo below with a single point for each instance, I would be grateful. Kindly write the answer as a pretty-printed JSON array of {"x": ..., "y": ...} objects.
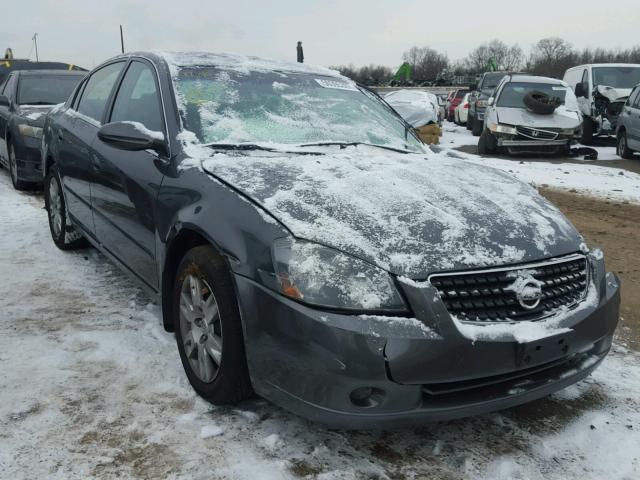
[{"x": 529, "y": 293}]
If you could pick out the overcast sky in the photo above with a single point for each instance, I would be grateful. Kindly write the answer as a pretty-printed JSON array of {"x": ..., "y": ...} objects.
[{"x": 85, "y": 32}]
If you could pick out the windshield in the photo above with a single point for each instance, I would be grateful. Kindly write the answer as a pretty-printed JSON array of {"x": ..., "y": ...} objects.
[
  {"x": 223, "y": 106},
  {"x": 616, "y": 77},
  {"x": 491, "y": 80},
  {"x": 46, "y": 90},
  {"x": 513, "y": 93}
]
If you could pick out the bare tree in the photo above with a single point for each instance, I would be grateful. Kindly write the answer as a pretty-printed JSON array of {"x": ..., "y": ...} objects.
[
  {"x": 427, "y": 63},
  {"x": 370, "y": 75},
  {"x": 552, "y": 57},
  {"x": 496, "y": 53}
]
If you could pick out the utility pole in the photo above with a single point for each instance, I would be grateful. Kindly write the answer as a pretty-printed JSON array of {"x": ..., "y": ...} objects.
[
  {"x": 121, "y": 40},
  {"x": 35, "y": 42}
]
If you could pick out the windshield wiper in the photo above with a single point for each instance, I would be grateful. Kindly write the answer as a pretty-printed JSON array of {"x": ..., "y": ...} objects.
[
  {"x": 253, "y": 146},
  {"x": 353, "y": 144}
]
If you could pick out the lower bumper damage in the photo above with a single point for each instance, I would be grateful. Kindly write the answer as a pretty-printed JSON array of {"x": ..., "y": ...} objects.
[{"x": 374, "y": 372}]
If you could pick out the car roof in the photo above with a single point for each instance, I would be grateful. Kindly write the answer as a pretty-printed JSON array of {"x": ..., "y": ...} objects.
[
  {"x": 230, "y": 61},
  {"x": 535, "y": 79},
  {"x": 606, "y": 65},
  {"x": 39, "y": 73}
]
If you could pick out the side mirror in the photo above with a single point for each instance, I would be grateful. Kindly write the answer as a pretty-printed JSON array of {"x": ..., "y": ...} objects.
[
  {"x": 490, "y": 101},
  {"x": 132, "y": 136},
  {"x": 581, "y": 90},
  {"x": 4, "y": 101}
]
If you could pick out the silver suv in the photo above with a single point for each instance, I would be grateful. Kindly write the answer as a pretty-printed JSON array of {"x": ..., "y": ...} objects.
[{"x": 628, "y": 131}]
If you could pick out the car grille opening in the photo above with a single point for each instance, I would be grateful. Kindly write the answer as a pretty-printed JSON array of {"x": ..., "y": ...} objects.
[
  {"x": 536, "y": 133},
  {"x": 487, "y": 295}
]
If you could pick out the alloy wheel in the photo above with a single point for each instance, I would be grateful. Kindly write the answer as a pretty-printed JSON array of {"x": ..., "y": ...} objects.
[
  {"x": 55, "y": 207},
  {"x": 200, "y": 328}
]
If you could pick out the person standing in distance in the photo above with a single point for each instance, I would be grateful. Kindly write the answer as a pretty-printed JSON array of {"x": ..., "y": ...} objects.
[{"x": 300, "y": 53}]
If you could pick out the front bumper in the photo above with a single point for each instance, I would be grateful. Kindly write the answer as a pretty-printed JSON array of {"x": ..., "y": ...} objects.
[
  {"x": 28, "y": 159},
  {"x": 311, "y": 362}
]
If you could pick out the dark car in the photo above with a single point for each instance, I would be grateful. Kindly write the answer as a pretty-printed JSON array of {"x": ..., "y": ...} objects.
[
  {"x": 628, "y": 128},
  {"x": 9, "y": 65},
  {"x": 305, "y": 245},
  {"x": 25, "y": 98},
  {"x": 479, "y": 97}
]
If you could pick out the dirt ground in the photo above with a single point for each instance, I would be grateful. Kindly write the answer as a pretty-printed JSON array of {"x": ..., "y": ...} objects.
[{"x": 614, "y": 227}]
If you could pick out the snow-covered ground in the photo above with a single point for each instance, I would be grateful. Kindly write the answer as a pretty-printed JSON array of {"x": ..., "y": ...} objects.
[
  {"x": 92, "y": 386},
  {"x": 580, "y": 176}
]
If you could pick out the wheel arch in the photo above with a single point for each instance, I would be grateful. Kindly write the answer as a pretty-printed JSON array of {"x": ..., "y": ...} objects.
[{"x": 181, "y": 240}]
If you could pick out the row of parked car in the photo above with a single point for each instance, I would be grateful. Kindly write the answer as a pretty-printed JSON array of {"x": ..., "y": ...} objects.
[
  {"x": 304, "y": 246},
  {"x": 511, "y": 111}
]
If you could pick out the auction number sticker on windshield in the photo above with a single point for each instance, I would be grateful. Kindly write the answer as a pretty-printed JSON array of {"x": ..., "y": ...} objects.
[{"x": 336, "y": 84}]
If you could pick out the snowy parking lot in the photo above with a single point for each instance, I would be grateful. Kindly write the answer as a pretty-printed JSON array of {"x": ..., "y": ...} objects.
[{"x": 91, "y": 385}]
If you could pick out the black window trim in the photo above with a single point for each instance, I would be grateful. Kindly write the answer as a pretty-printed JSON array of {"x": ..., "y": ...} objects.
[
  {"x": 149, "y": 65},
  {"x": 78, "y": 99}
]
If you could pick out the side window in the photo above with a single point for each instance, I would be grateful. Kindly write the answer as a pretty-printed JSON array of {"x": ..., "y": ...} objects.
[
  {"x": 138, "y": 99},
  {"x": 97, "y": 90},
  {"x": 632, "y": 100},
  {"x": 9, "y": 87},
  {"x": 636, "y": 100}
]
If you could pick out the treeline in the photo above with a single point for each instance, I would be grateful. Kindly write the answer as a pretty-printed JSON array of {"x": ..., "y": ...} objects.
[{"x": 549, "y": 57}]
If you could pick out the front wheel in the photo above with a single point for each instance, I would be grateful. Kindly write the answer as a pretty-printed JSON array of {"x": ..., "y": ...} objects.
[
  {"x": 13, "y": 169},
  {"x": 486, "y": 143},
  {"x": 476, "y": 129},
  {"x": 588, "y": 128},
  {"x": 208, "y": 328},
  {"x": 63, "y": 233},
  {"x": 622, "y": 148}
]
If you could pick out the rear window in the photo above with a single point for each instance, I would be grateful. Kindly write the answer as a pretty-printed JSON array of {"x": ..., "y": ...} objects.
[
  {"x": 461, "y": 93},
  {"x": 46, "y": 90}
]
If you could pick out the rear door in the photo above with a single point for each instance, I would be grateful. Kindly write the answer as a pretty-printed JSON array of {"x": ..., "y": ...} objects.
[
  {"x": 77, "y": 129},
  {"x": 126, "y": 183}
]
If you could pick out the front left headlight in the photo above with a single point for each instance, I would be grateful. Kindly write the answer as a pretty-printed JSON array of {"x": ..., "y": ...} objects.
[
  {"x": 325, "y": 277},
  {"x": 501, "y": 128},
  {"x": 30, "y": 131}
]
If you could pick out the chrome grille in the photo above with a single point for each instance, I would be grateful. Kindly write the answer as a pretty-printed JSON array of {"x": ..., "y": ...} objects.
[
  {"x": 487, "y": 295},
  {"x": 536, "y": 133}
]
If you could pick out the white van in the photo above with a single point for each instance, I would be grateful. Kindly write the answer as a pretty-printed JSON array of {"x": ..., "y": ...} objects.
[{"x": 602, "y": 89}]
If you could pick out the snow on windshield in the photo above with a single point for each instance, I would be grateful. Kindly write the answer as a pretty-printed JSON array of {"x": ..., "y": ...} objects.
[
  {"x": 417, "y": 108},
  {"x": 513, "y": 93},
  {"x": 223, "y": 106},
  {"x": 235, "y": 99}
]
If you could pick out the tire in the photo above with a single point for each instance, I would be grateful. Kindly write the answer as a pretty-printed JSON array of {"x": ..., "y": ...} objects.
[
  {"x": 622, "y": 147},
  {"x": 13, "y": 169},
  {"x": 541, "y": 103},
  {"x": 486, "y": 143},
  {"x": 469, "y": 121},
  {"x": 63, "y": 233},
  {"x": 476, "y": 128},
  {"x": 208, "y": 328},
  {"x": 587, "y": 131}
]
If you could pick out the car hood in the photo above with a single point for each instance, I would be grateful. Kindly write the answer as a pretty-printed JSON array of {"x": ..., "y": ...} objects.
[
  {"x": 407, "y": 213},
  {"x": 613, "y": 94},
  {"x": 560, "y": 118},
  {"x": 34, "y": 114}
]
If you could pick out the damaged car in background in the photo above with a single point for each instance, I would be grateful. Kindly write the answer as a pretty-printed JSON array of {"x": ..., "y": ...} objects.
[
  {"x": 306, "y": 246},
  {"x": 602, "y": 90},
  {"x": 529, "y": 114}
]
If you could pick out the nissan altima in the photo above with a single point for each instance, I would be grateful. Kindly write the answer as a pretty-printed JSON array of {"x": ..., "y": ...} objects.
[{"x": 306, "y": 247}]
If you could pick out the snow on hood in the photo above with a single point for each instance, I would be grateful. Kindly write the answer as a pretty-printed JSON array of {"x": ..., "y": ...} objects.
[
  {"x": 562, "y": 117},
  {"x": 613, "y": 94},
  {"x": 417, "y": 108},
  {"x": 406, "y": 213}
]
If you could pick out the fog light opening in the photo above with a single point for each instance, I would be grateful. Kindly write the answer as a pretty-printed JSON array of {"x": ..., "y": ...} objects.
[{"x": 367, "y": 397}]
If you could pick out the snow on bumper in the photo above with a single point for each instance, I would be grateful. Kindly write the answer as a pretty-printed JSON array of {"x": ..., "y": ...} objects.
[{"x": 321, "y": 365}]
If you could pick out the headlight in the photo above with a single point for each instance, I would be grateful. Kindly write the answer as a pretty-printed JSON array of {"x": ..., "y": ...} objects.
[
  {"x": 29, "y": 131},
  {"x": 326, "y": 277},
  {"x": 569, "y": 131},
  {"x": 481, "y": 103},
  {"x": 498, "y": 128}
]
